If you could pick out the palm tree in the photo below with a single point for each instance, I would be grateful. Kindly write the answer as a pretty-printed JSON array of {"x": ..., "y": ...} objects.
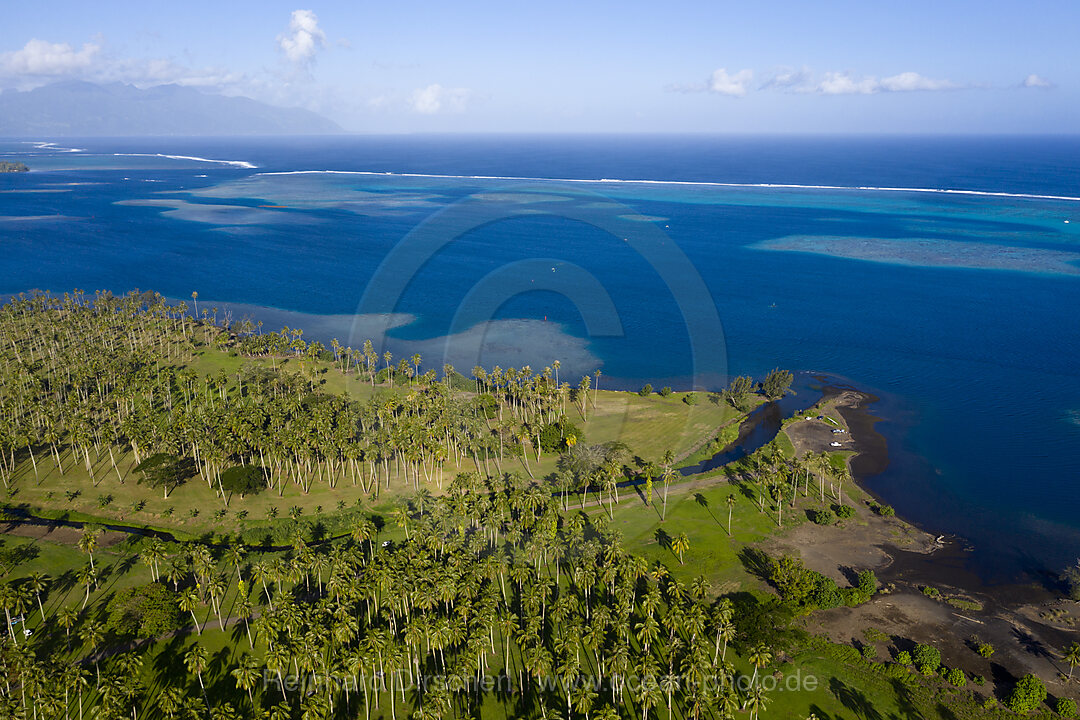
[
  {"x": 667, "y": 477},
  {"x": 67, "y": 616},
  {"x": 235, "y": 556},
  {"x": 648, "y": 695},
  {"x": 91, "y": 634},
  {"x": 152, "y": 555},
  {"x": 401, "y": 517},
  {"x": 224, "y": 711},
  {"x": 88, "y": 542},
  {"x": 583, "y": 699},
  {"x": 245, "y": 610},
  {"x": 188, "y": 602},
  {"x": 680, "y": 544},
  {"x": 88, "y": 578},
  {"x": 778, "y": 497},
  {"x": 195, "y": 661},
  {"x": 1072, "y": 656},
  {"x": 277, "y": 660},
  {"x": 669, "y": 683},
  {"x": 607, "y": 713},
  {"x": 246, "y": 675},
  {"x": 7, "y": 600},
  {"x": 38, "y": 583},
  {"x": 730, "y": 508},
  {"x": 171, "y": 702},
  {"x": 756, "y": 701},
  {"x": 760, "y": 656}
]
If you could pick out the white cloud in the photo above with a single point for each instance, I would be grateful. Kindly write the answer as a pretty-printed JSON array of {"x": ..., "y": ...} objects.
[
  {"x": 786, "y": 79},
  {"x": 40, "y": 62},
  {"x": 803, "y": 81},
  {"x": 835, "y": 83},
  {"x": 435, "y": 99},
  {"x": 1035, "y": 81},
  {"x": 304, "y": 38},
  {"x": 161, "y": 71},
  {"x": 42, "y": 59},
  {"x": 842, "y": 83},
  {"x": 911, "y": 81},
  {"x": 724, "y": 83}
]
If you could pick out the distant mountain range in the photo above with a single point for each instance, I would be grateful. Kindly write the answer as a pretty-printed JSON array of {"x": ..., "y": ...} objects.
[{"x": 82, "y": 109}]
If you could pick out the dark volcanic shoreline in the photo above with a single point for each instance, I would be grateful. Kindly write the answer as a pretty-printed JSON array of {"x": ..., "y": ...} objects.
[{"x": 947, "y": 562}]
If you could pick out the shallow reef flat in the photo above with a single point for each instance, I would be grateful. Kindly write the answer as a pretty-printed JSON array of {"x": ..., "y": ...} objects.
[{"x": 930, "y": 252}]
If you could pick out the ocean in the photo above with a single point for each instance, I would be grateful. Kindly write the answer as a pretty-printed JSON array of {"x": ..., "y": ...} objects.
[{"x": 941, "y": 274}]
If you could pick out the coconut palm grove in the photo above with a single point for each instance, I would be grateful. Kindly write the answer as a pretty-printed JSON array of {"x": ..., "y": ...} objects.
[{"x": 209, "y": 519}]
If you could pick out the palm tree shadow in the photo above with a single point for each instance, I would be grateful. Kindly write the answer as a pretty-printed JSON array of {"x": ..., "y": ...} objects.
[
  {"x": 125, "y": 565},
  {"x": 662, "y": 538},
  {"x": 238, "y": 633},
  {"x": 854, "y": 700},
  {"x": 756, "y": 562},
  {"x": 219, "y": 663},
  {"x": 903, "y": 700},
  {"x": 1031, "y": 644},
  {"x": 704, "y": 502},
  {"x": 169, "y": 663},
  {"x": 945, "y": 713}
]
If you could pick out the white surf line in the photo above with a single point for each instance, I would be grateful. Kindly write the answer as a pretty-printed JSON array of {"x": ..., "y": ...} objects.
[
  {"x": 40, "y": 145},
  {"x": 235, "y": 163},
  {"x": 774, "y": 186}
]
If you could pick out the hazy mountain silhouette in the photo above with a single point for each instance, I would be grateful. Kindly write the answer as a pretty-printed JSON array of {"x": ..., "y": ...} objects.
[{"x": 83, "y": 109}]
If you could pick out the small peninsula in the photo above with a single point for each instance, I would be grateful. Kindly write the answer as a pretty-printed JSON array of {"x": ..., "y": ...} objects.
[{"x": 13, "y": 167}]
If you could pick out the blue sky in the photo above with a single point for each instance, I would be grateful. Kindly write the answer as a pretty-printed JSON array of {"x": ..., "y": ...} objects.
[{"x": 922, "y": 67}]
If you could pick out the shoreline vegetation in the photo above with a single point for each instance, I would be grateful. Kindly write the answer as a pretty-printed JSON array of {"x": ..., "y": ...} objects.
[
  {"x": 13, "y": 167},
  {"x": 340, "y": 513}
]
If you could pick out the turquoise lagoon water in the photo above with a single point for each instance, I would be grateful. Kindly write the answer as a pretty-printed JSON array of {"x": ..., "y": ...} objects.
[{"x": 831, "y": 255}]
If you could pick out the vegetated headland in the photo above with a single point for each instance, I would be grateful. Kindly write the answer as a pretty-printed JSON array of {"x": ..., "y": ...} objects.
[
  {"x": 195, "y": 506},
  {"x": 12, "y": 167}
]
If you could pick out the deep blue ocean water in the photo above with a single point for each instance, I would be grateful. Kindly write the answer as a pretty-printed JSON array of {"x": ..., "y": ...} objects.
[{"x": 959, "y": 310}]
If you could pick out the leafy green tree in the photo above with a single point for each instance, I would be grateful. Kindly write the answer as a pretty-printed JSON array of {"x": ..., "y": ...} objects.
[
  {"x": 793, "y": 580},
  {"x": 927, "y": 658},
  {"x": 243, "y": 480},
  {"x": 146, "y": 611},
  {"x": 956, "y": 677},
  {"x": 165, "y": 471},
  {"x": 776, "y": 384},
  {"x": 867, "y": 583},
  {"x": 737, "y": 392},
  {"x": 1071, "y": 580},
  {"x": 1028, "y": 694}
]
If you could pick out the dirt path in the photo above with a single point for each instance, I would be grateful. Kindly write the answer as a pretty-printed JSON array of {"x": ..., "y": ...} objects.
[{"x": 58, "y": 533}]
